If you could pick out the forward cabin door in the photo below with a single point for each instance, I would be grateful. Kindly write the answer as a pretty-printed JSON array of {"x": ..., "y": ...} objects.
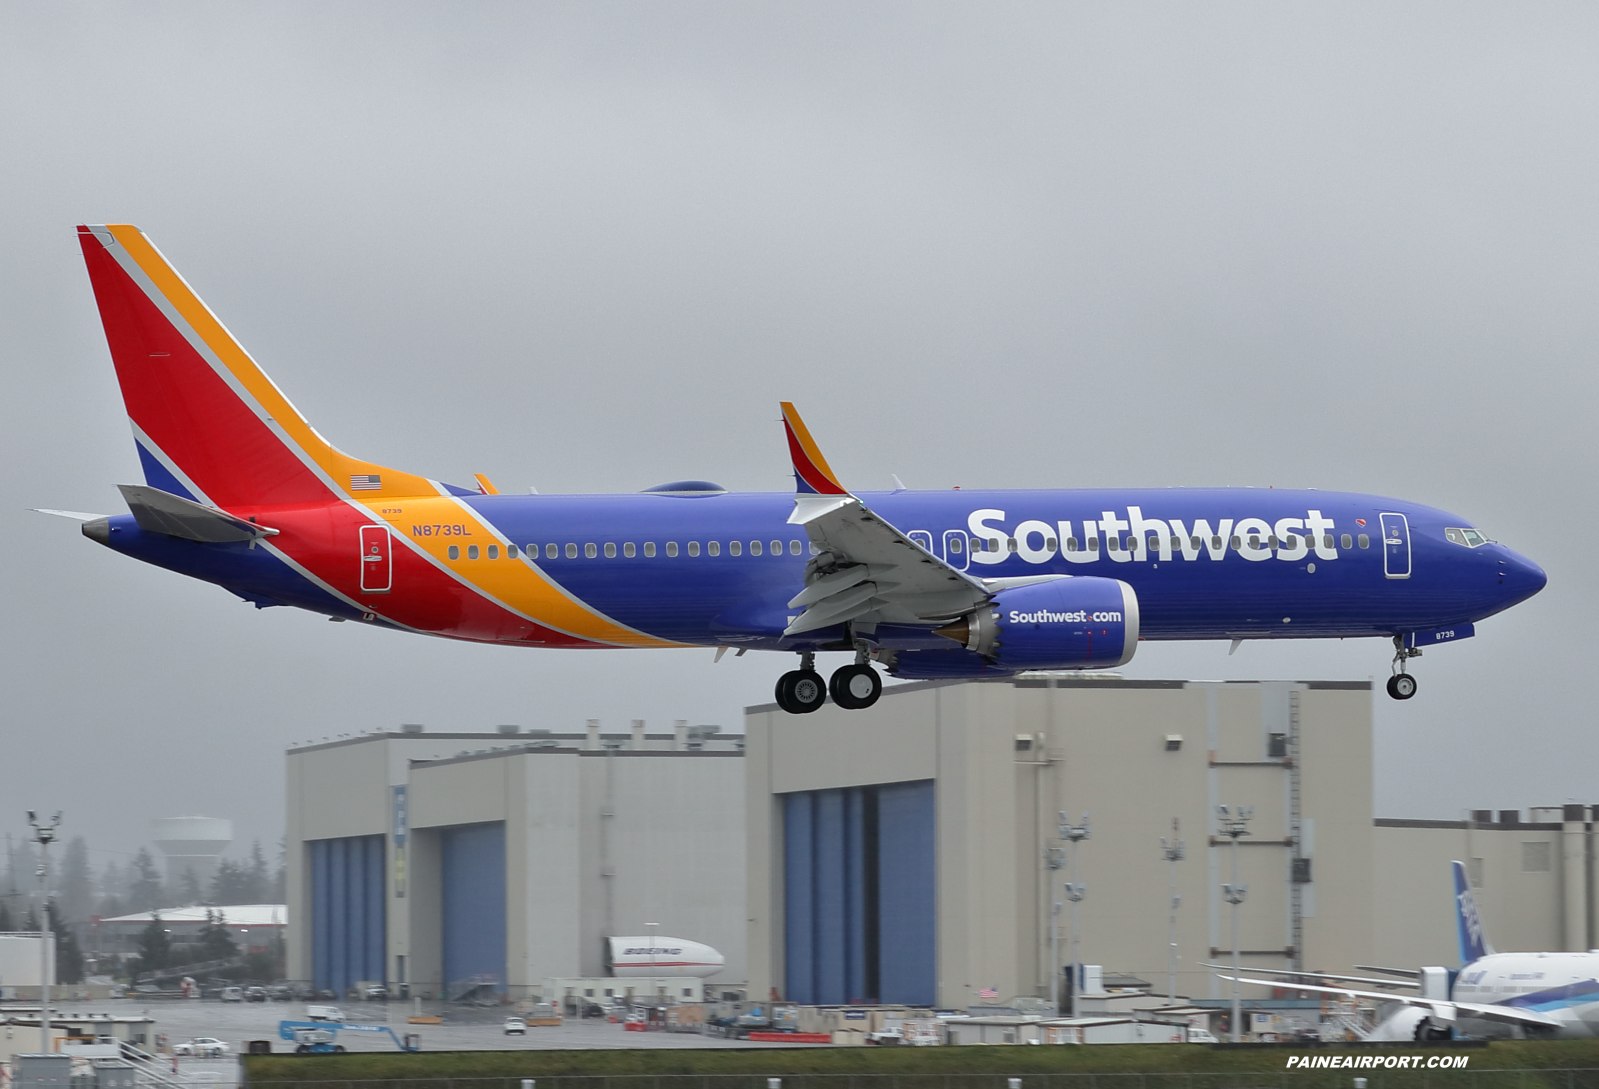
[
  {"x": 1395, "y": 546},
  {"x": 377, "y": 562}
]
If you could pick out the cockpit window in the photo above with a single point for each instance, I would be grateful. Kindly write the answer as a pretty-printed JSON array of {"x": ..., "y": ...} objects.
[{"x": 1470, "y": 538}]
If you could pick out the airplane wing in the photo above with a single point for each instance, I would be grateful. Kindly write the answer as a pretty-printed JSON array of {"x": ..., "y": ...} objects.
[
  {"x": 866, "y": 569},
  {"x": 75, "y": 515},
  {"x": 1327, "y": 975},
  {"x": 1443, "y": 1009},
  {"x": 157, "y": 511}
]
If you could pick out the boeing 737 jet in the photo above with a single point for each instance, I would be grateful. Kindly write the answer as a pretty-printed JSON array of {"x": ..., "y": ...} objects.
[
  {"x": 241, "y": 491},
  {"x": 1537, "y": 995}
]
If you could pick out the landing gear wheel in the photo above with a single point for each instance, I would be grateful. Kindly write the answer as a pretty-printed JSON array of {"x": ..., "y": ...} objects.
[
  {"x": 1401, "y": 686},
  {"x": 855, "y": 687},
  {"x": 801, "y": 691}
]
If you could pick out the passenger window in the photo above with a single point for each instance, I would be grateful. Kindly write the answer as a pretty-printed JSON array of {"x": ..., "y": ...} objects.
[
  {"x": 571, "y": 551},
  {"x": 816, "y": 549},
  {"x": 494, "y": 552},
  {"x": 649, "y": 549},
  {"x": 1347, "y": 541},
  {"x": 1010, "y": 544},
  {"x": 510, "y": 552},
  {"x": 1326, "y": 541},
  {"x": 1049, "y": 543},
  {"x": 794, "y": 548},
  {"x": 955, "y": 544},
  {"x": 1093, "y": 544},
  {"x": 471, "y": 552},
  {"x": 629, "y": 551},
  {"x": 1195, "y": 543},
  {"x": 735, "y": 548},
  {"x": 693, "y": 548},
  {"x": 1177, "y": 543},
  {"x": 1254, "y": 541},
  {"x": 713, "y": 548},
  {"x": 1071, "y": 544},
  {"x": 1271, "y": 542},
  {"x": 1115, "y": 543},
  {"x": 589, "y": 550},
  {"x": 1235, "y": 544},
  {"x": 1365, "y": 541},
  {"x": 671, "y": 548},
  {"x": 551, "y": 551},
  {"x": 610, "y": 550},
  {"x": 755, "y": 548},
  {"x": 777, "y": 548},
  {"x": 1154, "y": 544},
  {"x": 455, "y": 552}
]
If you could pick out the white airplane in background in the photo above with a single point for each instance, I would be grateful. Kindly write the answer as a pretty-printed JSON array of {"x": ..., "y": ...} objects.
[{"x": 1521, "y": 995}]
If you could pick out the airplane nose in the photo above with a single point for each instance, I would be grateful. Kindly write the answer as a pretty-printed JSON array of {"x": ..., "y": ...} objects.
[{"x": 1519, "y": 578}]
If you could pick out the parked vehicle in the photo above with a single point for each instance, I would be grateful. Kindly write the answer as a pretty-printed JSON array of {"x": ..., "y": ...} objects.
[
  {"x": 255, "y": 994},
  {"x": 205, "y": 1047},
  {"x": 324, "y": 1013},
  {"x": 377, "y": 993},
  {"x": 1202, "y": 1036},
  {"x": 232, "y": 994},
  {"x": 515, "y": 1026}
]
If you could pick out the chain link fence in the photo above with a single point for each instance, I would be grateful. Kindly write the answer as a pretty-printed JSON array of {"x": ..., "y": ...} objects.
[{"x": 1375, "y": 1078}]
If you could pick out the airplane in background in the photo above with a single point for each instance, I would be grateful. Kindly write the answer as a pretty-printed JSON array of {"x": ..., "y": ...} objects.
[
  {"x": 1525, "y": 995},
  {"x": 242, "y": 492}
]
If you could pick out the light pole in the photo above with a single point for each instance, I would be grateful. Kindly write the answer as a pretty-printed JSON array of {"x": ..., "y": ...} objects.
[
  {"x": 1233, "y": 825},
  {"x": 1074, "y": 834},
  {"x": 1054, "y": 858},
  {"x": 44, "y": 833},
  {"x": 1173, "y": 852}
]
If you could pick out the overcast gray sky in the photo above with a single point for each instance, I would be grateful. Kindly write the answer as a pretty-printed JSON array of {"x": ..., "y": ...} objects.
[{"x": 589, "y": 246}]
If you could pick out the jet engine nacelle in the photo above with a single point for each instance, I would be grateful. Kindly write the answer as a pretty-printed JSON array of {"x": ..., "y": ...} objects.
[{"x": 1080, "y": 622}]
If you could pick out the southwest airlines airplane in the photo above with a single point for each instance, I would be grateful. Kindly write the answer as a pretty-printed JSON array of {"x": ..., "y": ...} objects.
[
  {"x": 1538, "y": 995},
  {"x": 241, "y": 491}
]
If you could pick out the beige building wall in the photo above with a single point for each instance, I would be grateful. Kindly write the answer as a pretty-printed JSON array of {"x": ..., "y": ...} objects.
[{"x": 1008, "y": 756}]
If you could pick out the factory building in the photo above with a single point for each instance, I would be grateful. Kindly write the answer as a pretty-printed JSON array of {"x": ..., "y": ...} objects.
[
  {"x": 911, "y": 853},
  {"x": 450, "y": 864},
  {"x": 904, "y": 854}
]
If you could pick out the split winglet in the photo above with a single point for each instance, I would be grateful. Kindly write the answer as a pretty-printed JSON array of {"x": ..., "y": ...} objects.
[{"x": 812, "y": 474}]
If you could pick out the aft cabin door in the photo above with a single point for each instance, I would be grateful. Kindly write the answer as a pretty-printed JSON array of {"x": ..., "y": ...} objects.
[
  {"x": 377, "y": 564},
  {"x": 1395, "y": 546}
]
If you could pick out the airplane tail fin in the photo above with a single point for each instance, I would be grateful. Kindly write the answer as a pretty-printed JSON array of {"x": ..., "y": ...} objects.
[
  {"x": 1473, "y": 938},
  {"x": 812, "y": 474},
  {"x": 209, "y": 424}
]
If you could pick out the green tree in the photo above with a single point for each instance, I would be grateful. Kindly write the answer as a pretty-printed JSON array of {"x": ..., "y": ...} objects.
[
  {"x": 155, "y": 947},
  {"x": 144, "y": 890},
  {"x": 214, "y": 942},
  {"x": 189, "y": 886},
  {"x": 69, "y": 956},
  {"x": 75, "y": 893},
  {"x": 112, "y": 900},
  {"x": 260, "y": 877},
  {"x": 232, "y": 884}
]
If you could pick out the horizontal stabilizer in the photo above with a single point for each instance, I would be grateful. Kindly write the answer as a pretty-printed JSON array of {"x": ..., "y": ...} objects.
[
  {"x": 157, "y": 511},
  {"x": 75, "y": 515}
]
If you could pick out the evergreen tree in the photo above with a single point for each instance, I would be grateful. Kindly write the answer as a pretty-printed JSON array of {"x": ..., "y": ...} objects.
[
  {"x": 232, "y": 884},
  {"x": 30, "y": 921},
  {"x": 75, "y": 887},
  {"x": 155, "y": 948},
  {"x": 5, "y": 918},
  {"x": 214, "y": 942},
  {"x": 260, "y": 879},
  {"x": 144, "y": 890},
  {"x": 113, "y": 889},
  {"x": 190, "y": 886},
  {"x": 279, "y": 892},
  {"x": 69, "y": 957}
]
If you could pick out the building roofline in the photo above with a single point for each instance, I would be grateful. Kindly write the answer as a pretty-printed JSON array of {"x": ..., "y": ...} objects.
[
  {"x": 519, "y": 738},
  {"x": 531, "y": 750}
]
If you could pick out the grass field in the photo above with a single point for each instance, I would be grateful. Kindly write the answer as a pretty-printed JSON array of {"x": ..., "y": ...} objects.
[{"x": 1167, "y": 1066}]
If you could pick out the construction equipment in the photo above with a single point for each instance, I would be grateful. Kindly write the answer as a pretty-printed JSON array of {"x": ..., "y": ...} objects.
[{"x": 321, "y": 1037}]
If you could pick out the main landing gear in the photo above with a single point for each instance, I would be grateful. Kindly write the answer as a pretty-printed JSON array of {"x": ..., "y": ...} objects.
[
  {"x": 1401, "y": 686},
  {"x": 853, "y": 687}
]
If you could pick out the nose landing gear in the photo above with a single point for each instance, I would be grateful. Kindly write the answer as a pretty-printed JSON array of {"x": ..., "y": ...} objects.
[{"x": 1401, "y": 686}]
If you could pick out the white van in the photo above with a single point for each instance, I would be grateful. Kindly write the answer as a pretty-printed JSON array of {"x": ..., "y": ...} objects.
[
  {"x": 233, "y": 994},
  {"x": 324, "y": 1013}
]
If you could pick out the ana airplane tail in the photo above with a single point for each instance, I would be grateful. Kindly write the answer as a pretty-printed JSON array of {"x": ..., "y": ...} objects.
[
  {"x": 1474, "y": 943},
  {"x": 210, "y": 425}
]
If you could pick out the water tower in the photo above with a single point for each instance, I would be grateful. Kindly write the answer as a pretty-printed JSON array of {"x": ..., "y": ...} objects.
[{"x": 191, "y": 844}]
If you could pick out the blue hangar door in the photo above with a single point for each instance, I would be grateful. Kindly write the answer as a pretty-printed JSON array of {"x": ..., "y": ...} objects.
[
  {"x": 859, "y": 895},
  {"x": 473, "y": 864},
  {"x": 348, "y": 918}
]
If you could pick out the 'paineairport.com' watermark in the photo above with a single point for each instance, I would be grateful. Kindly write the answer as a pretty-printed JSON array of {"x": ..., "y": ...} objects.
[{"x": 1373, "y": 1062}]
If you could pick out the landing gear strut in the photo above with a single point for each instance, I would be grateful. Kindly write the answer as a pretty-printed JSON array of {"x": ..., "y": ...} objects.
[
  {"x": 1401, "y": 686},
  {"x": 801, "y": 691}
]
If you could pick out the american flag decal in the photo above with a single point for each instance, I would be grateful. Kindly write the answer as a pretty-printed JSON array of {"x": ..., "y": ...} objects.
[
  {"x": 988, "y": 992},
  {"x": 369, "y": 482}
]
